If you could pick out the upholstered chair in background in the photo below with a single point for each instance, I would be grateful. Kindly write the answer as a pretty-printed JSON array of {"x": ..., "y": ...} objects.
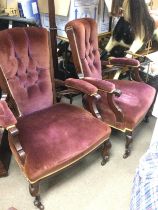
[
  {"x": 134, "y": 98},
  {"x": 44, "y": 137}
]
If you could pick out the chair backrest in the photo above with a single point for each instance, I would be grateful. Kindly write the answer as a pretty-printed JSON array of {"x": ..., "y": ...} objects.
[
  {"x": 25, "y": 68},
  {"x": 83, "y": 39}
]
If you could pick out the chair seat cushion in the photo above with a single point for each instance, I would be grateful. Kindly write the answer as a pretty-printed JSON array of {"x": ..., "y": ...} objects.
[
  {"x": 58, "y": 136},
  {"x": 133, "y": 107}
]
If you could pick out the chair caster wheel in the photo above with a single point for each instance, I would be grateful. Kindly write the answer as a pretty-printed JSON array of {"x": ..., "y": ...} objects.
[
  {"x": 126, "y": 155},
  {"x": 38, "y": 204},
  {"x": 105, "y": 160}
]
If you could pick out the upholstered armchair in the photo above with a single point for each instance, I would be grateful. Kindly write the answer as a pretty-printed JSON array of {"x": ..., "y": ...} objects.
[
  {"x": 44, "y": 137},
  {"x": 129, "y": 100}
]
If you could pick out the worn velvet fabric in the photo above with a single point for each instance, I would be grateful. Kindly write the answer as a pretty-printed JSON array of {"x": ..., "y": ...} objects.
[
  {"x": 124, "y": 62},
  {"x": 6, "y": 116},
  {"x": 136, "y": 97},
  {"x": 52, "y": 136},
  {"x": 24, "y": 58},
  {"x": 135, "y": 101},
  {"x": 103, "y": 85},
  {"x": 57, "y": 136},
  {"x": 87, "y": 46},
  {"x": 82, "y": 85}
]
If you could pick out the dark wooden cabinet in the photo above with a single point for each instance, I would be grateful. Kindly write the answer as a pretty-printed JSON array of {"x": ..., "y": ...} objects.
[{"x": 5, "y": 154}]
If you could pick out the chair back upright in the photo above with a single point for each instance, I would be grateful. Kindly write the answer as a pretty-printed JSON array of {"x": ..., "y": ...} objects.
[
  {"x": 82, "y": 34},
  {"x": 25, "y": 68}
]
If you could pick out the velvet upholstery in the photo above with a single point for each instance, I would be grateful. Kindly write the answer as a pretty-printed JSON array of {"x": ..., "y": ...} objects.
[
  {"x": 59, "y": 139},
  {"x": 24, "y": 60},
  {"x": 103, "y": 85},
  {"x": 122, "y": 62},
  {"x": 136, "y": 97},
  {"x": 6, "y": 116},
  {"x": 48, "y": 137},
  {"x": 88, "y": 47},
  {"x": 81, "y": 85},
  {"x": 133, "y": 107}
]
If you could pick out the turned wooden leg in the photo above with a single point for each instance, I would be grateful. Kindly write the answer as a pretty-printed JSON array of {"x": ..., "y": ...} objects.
[
  {"x": 129, "y": 140},
  {"x": 146, "y": 119},
  {"x": 106, "y": 152},
  {"x": 34, "y": 191}
]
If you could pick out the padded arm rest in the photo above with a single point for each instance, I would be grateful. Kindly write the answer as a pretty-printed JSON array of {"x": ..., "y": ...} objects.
[
  {"x": 7, "y": 118},
  {"x": 122, "y": 62},
  {"x": 82, "y": 86},
  {"x": 101, "y": 84}
]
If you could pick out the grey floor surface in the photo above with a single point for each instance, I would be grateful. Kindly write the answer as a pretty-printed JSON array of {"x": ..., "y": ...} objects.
[{"x": 87, "y": 185}]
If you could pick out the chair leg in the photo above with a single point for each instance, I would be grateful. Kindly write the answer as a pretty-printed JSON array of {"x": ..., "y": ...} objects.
[
  {"x": 106, "y": 152},
  {"x": 34, "y": 191},
  {"x": 129, "y": 139},
  {"x": 146, "y": 119}
]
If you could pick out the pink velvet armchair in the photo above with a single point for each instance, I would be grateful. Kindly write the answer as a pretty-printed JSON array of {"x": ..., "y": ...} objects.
[
  {"x": 44, "y": 137},
  {"x": 129, "y": 100}
]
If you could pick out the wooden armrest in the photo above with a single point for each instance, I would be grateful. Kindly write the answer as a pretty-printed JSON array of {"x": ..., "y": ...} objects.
[
  {"x": 15, "y": 143},
  {"x": 111, "y": 91},
  {"x": 114, "y": 107},
  {"x": 90, "y": 103}
]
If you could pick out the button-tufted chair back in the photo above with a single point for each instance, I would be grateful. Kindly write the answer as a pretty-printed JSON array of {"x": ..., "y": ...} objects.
[
  {"x": 85, "y": 55},
  {"x": 24, "y": 60}
]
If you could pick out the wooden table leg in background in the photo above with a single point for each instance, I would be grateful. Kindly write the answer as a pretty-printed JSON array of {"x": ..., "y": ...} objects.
[{"x": 5, "y": 154}]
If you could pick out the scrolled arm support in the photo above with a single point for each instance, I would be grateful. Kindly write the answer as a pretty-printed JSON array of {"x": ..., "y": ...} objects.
[
  {"x": 115, "y": 108},
  {"x": 14, "y": 135},
  {"x": 90, "y": 103},
  {"x": 136, "y": 75},
  {"x": 91, "y": 94}
]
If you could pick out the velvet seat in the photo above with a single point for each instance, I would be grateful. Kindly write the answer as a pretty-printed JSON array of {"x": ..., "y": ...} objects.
[
  {"x": 133, "y": 107},
  {"x": 65, "y": 146},
  {"x": 129, "y": 100},
  {"x": 44, "y": 137}
]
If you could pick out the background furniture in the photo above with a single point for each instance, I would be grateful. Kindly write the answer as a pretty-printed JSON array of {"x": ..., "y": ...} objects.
[{"x": 13, "y": 21}]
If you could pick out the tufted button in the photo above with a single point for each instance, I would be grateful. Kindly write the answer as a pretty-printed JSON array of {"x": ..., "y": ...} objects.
[
  {"x": 89, "y": 64},
  {"x": 90, "y": 41},
  {"x": 28, "y": 76}
]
